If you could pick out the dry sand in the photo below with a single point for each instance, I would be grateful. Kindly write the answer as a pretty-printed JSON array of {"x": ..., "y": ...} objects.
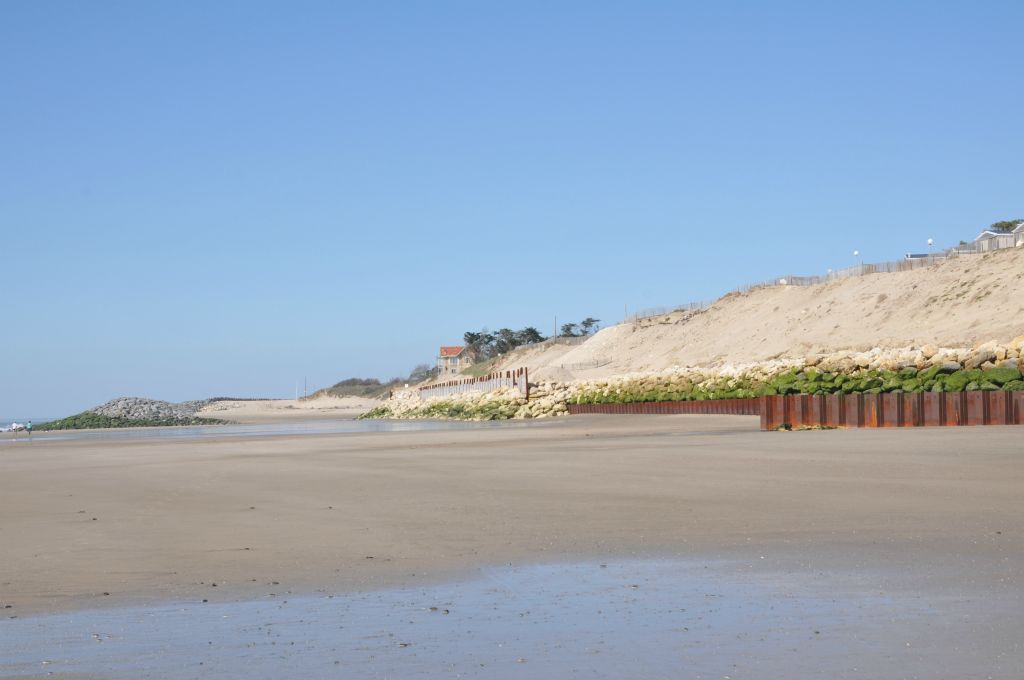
[
  {"x": 98, "y": 522},
  {"x": 287, "y": 410},
  {"x": 959, "y": 302}
]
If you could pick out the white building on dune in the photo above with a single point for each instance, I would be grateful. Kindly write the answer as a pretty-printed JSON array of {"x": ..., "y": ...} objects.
[{"x": 991, "y": 239}]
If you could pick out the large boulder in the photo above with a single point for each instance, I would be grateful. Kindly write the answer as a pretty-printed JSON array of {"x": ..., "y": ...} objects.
[
  {"x": 1002, "y": 375},
  {"x": 956, "y": 382},
  {"x": 980, "y": 357}
]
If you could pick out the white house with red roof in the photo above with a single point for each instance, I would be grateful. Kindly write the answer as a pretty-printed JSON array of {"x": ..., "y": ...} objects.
[{"x": 452, "y": 359}]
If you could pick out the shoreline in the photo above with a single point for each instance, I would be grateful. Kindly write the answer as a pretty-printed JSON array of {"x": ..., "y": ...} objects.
[{"x": 737, "y": 558}]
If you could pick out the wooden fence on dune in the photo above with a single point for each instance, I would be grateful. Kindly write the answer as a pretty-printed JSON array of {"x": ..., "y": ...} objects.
[
  {"x": 517, "y": 379},
  {"x": 910, "y": 263}
]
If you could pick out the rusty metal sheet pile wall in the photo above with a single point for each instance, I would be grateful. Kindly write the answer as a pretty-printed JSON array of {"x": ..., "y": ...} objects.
[
  {"x": 738, "y": 407},
  {"x": 893, "y": 409}
]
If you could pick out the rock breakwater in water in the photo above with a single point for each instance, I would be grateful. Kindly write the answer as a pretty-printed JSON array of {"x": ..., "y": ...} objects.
[
  {"x": 139, "y": 408},
  {"x": 134, "y": 412}
]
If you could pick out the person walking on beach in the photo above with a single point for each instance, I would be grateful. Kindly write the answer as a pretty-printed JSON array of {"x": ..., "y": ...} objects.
[{"x": 28, "y": 426}]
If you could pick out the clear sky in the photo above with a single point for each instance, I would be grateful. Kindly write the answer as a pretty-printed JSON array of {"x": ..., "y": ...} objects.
[{"x": 202, "y": 198}]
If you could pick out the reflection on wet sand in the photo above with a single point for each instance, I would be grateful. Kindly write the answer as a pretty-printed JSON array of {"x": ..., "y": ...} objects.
[{"x": 616, "y": 619}]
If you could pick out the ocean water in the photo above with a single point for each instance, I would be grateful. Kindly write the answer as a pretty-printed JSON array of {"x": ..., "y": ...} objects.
[
  {"x": 625, "y": 619},
  {"x": 6, "y": 422}
]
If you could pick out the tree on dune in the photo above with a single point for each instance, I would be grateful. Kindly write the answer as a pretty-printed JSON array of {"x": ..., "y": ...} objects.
[{"x": 1005, "y": 225}]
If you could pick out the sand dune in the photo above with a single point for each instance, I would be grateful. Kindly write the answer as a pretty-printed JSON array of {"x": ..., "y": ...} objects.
[{"x": 959, "y": 302}]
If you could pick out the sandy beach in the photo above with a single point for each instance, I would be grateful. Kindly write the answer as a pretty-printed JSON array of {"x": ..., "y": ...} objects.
[
  {"x": 93, "y": 523},
  {"x": 261, "y": 411}
]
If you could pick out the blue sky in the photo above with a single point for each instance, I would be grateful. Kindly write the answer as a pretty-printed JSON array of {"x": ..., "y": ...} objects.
[{"x": 225, "y": 198}]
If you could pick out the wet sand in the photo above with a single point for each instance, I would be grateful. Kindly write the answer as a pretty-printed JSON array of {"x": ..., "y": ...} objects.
[
  {"x": 620, "y": 619},
  {"x": 96, "y": 523},
  {"x": 598, "y": 547}
]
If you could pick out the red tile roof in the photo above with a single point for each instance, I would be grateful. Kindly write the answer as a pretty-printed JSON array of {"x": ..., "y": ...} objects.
[{"x": 451, "y": 351}]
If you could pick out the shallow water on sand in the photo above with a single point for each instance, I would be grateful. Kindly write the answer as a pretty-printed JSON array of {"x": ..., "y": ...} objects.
[
  {"x": 324, "y": 426},
  {"x": 632, "y": 619}
]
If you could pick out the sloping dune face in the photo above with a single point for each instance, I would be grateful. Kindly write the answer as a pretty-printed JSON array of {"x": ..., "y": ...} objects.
[{"x": 960, "y": 302}]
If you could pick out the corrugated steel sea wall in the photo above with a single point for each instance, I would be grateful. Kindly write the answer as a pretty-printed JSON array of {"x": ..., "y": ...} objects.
[{"x": 891, "y": 409}]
